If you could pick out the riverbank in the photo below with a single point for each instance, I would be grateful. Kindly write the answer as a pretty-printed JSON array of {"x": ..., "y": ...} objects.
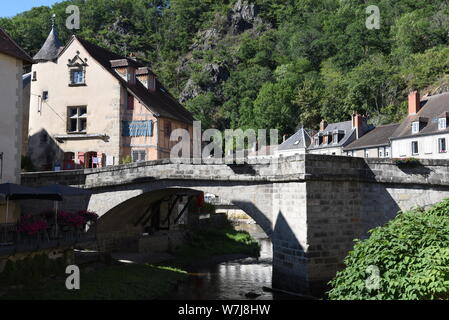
[{"x": 132, "y": 281}]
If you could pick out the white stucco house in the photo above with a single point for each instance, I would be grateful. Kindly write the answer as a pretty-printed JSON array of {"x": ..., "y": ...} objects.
[{"x": 424, "y": 134}]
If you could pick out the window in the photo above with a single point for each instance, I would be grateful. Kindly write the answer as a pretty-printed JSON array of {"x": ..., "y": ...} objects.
[
  {"x": 335, "y": 139},
  {"x": 167, "y": 128},
  {"x": 77, "y": 120},
  {"x": 137, "y": 128},
  {"x": 415, "y": 127},
  {"x": 442, "y": 145},
  {"x": 441, "y": 123},
  {"x": 415, "y": 149},
  {"x": 77, "y": 77},
  {"x": 366, "y": 154},
  {"x": 139, "y": 155},
  {"x": 381, "y": 152},
  {"x": 387, "y": 152},
  {"x": 130, "y": 102},
  {"x": 45, "y": 95},
  {"x": 34, "y": 76},
  {"x": 317, "y": 141}
]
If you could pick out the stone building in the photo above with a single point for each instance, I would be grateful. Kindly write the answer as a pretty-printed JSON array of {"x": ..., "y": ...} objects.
[
  {"x": 92, "y": 108},
  {"x": 374, "y": 144},
  {"x": 424, "y": 133}
]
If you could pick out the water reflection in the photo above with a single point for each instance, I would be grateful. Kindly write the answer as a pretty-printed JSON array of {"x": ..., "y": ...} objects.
[{"x": 235, "y": 279}]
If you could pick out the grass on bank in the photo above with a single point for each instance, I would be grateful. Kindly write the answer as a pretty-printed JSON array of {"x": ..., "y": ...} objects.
[
  {"x": 122, "y": 282},
  {"x": 206, "y": 243}
]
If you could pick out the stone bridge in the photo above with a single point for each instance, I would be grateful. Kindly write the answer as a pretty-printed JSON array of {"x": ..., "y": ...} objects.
[{"x": 311, "y": 206}]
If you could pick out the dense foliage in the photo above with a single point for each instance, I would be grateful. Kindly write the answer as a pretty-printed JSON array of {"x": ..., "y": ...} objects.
[
  {"x": 299, "y": 61},
  {"x": 410, "y": 253}
]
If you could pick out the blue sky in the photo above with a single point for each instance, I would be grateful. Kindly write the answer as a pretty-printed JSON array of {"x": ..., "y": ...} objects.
[{"x": 10, "y": 8}]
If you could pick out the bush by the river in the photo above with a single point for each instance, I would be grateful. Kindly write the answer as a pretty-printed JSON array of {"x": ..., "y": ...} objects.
[{"x": 406, "y": 259}]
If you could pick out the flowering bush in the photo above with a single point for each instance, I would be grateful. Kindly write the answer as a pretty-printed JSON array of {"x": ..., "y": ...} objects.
[
  {"x": 71, "y": 219},
  {"x": 88, "y": 215},
  {"x": 32, "y": 225}
]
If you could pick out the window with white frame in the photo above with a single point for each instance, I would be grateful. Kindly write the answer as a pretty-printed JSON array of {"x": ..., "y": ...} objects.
[
  {"x": 366, "y": 154},
  {"x": 415, "y": 127},
  {"x": 77, "y": 119},
  {"x": 415, "y": 149},
  {"x": 442, "y": 123},
  {"x": 442, "y": 145},
  {"x": 381, "y": 152},
  {"x": 387, "y": 152}
]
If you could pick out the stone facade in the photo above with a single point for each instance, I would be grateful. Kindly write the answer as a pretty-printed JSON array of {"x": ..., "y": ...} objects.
[{"x": 312, "y": 206}]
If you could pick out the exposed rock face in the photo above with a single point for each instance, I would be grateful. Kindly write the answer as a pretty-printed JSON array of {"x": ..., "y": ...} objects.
[
  {"x": 244, "y": 16},
  {"x": 216, "y": 73}
]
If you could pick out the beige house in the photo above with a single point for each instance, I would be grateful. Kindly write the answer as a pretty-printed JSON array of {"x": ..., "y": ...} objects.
[
  {"x": 12, "y": 62},
  {"x": 90, "y": 108}
]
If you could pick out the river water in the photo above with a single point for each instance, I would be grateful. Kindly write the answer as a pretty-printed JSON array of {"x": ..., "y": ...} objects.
[{"x": 233, "y": 280}]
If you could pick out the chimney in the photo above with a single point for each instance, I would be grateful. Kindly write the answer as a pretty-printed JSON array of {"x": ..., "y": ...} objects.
[
  {"x": 357, "y": 123},
  {"x": 147, "y": 78},
  {"x": 284, "y": 138},
  {"x": 414, "y": 103},
  {"x": 126, "y": 68},
  {"x": 323, "y": 125}
]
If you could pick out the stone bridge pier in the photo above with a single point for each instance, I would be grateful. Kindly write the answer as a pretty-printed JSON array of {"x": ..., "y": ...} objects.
[{"x": 311, "y": 206}]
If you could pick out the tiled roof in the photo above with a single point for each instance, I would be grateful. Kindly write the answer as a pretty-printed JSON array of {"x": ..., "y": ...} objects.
[
  {"x": 375, "y": 138},
  {"x": 161, "y": 102},
  {"x": 432, "y": 108},
  {"x": 11, "y": 48}
]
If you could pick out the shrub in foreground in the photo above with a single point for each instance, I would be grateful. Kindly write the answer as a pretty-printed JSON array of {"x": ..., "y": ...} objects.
[{"x": 406, "y": 259}]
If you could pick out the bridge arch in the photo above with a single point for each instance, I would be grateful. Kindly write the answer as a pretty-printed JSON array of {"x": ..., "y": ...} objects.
[{"x": 124, "y": 203}]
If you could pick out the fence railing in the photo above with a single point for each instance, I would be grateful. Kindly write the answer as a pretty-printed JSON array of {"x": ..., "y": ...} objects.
[{"x": 12, "y": 240}]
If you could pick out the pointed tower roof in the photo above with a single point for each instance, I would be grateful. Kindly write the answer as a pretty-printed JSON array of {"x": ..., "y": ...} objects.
[{"x": 51, "y": 47}]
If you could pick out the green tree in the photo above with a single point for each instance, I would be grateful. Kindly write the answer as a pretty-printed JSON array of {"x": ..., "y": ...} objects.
[{"x": 411, "y": 255}]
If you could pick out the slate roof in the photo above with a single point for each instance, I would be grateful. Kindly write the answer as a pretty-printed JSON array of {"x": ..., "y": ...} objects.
[
  {"x": 345, "y": 126},
  {"x": 433, "y": 107},
  {"x": 161, "y": 102},
  {"x": 26, "y": 79},
  {"x": 9, "y": 47},
  {"x": 301, "y": 139},
  {"x": 378, "y": 137},
  {"x": 51, "y": 48}
]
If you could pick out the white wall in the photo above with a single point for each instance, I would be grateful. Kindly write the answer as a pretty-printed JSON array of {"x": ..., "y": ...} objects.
[
  {"x": 338, "y": 151},
  {"x": 427, "y": 147},
  {"x": 291, "y": 152}
]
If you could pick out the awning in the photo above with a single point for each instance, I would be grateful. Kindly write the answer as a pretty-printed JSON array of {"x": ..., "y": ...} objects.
[{"x": 13, "y": 191}]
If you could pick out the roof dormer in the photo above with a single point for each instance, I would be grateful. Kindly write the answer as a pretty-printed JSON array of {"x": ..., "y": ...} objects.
[
  {"x": 418, "y": 123},
  {"x": 126, "y": 68},
  {"x": 442, "y": 121}
]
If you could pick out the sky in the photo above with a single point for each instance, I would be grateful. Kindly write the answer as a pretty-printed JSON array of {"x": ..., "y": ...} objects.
[{"x": 10, "y": 8}]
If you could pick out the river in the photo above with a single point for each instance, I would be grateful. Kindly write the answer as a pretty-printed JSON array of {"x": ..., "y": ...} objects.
[{"x": 233, "y": 280}]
